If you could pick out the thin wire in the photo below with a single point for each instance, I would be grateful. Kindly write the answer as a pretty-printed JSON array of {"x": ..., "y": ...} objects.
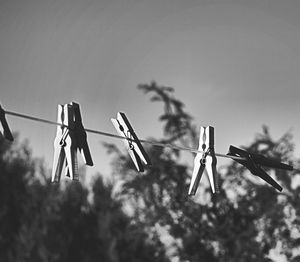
[
  {"x": 58, "y": 124},
  {"x": 153, "y": 143},
  {"x": 32, "y": 118}
]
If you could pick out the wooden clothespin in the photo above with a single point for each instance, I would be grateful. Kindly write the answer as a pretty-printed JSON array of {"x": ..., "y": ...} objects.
[
  {"x": 132, "y": 143},
  {"x": 205, "y": 160},
  {"x": 253, "y": 162},
  {"x": 81, "y": 136},
  {"x": 6, "y": 131},
  {"x": 65, "y": 154}
]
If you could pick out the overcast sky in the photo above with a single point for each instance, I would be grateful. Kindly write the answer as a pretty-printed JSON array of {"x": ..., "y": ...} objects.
[{"x": 235, "y": 64}]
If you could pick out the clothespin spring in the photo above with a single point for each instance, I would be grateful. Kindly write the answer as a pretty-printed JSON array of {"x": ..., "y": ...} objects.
[
  {"x": 203, "y": 159},
  {"x": 128, "y": 136},
  {"x": 131, "y": 146},
  {"x": 62, "y": 142}
]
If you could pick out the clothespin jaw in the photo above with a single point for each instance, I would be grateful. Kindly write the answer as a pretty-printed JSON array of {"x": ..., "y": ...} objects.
[
  {"x": 253, "y": 162},
  {"x": 71, "y": 144},
  {"x": 59, "y": 153},
  {"x": 6, "y": 131},
  {"x": 205, "y": 160},
  {"x": 65, "y": 147},
  {"x": 132, "y": 143},
  {"x": 81, "y": 136}
]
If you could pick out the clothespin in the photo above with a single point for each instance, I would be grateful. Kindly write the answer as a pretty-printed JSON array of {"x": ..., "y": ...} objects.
[
  {"x": 205, "y": 160},
  {"x": 6, "y": 131},
  {"x": 132, "y": 143},
  {"x": 253, "y": 162},
  {"x": 81, "y": 137},
  {"x": 65, "y": 154}
]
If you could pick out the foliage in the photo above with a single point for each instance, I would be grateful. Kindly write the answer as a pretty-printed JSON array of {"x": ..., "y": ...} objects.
[
  {"x": 40, "y": 221},
  {"x": 245, "y": 222},
  {"x": 149, "y": 217}
]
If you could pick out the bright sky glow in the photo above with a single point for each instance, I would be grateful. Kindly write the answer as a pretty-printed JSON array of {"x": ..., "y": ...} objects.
[{"x": 235, "y": 64}]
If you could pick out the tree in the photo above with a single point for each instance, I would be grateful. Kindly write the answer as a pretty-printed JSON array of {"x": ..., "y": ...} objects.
[
  {"x": 41, "y": 221},
  {"x": 16, "y": 171},
  {"x": 245, "y": 222}
]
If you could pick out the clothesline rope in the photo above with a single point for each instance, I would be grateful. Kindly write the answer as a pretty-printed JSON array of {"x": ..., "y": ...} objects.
[{"x": 153, "y": 143}]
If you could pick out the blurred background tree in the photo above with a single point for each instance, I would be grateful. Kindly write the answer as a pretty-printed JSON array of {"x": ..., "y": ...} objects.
[
  {"x": 247, "y": 221},
  {"x": 40, "y": 221},
  {"x": 149, "y": 217}
]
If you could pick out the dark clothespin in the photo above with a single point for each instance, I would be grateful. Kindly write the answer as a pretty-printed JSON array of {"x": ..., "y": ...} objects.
[
  {"x": 132, "y": 143},
  {"x": 253, "y": 162},
  {"x": 205, "y": 160},
  {"x": 6, "y": 131},
  {"x": 81, "y": 137},
  {"x": 65, "y": 154}
]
